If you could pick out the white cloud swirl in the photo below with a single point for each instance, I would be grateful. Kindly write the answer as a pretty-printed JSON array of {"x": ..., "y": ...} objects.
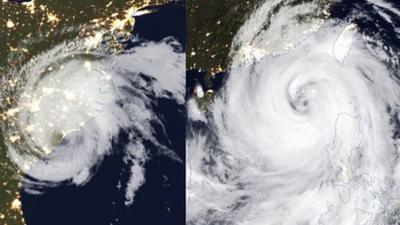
[
  {"x": 300, "y": 134},
  {"x": 71, "y": 103}
]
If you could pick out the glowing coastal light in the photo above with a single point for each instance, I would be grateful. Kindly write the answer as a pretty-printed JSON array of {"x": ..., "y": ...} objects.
[
  {"x": 30, "y": 6},
  {"x": 16, "y": 204},
  {"x": 10, "y": 24},
  {"x": 52, "y": 18},
  {"x": 15, "y": 138}
]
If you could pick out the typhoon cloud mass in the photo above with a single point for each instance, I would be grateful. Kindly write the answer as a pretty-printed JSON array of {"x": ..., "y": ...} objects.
[
  {"x": 305, "y": 130},
  {"x": 66, "y": 107}
]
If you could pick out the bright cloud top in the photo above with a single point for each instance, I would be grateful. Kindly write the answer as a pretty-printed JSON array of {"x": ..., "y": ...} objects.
[
  {"x": 71, "y": 103},
  {"x": 304, "y": 131}
]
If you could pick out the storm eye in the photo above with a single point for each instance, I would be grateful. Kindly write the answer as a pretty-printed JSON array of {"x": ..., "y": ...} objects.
[
  {"x": 300, "y": 104},
  {"x": 56, "y": 138},
  {"x": 301, "y": 98}
]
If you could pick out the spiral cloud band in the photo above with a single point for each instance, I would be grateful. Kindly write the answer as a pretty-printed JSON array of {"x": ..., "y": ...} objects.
[
  {"x": 69, "y": 104},
  {"x": 305, "y": 130}
]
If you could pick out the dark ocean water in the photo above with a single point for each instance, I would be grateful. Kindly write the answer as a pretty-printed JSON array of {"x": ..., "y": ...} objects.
[{"x": 161, "y": 200}]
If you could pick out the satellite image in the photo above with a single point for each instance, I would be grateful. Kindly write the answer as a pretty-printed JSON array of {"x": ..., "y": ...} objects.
[
  {"x": 303, "y": 126},
  {"x": 200, "y": 112},
  {"x": 93, "y": 116}
]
